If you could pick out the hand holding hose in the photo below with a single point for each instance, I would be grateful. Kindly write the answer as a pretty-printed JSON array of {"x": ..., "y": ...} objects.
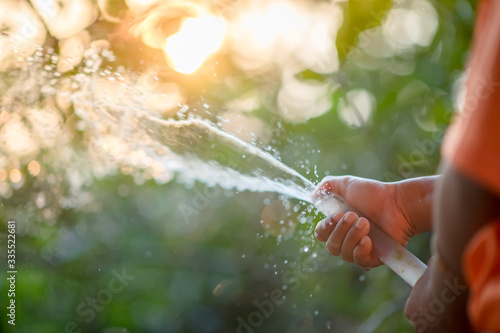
[{"x": 397, "y": 211}]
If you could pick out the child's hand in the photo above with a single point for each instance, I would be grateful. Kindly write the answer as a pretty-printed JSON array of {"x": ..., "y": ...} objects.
[{"x": 347, "y": 234}]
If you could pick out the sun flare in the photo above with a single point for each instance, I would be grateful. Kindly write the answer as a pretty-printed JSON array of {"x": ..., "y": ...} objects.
[{"x": 195, "y": 42}]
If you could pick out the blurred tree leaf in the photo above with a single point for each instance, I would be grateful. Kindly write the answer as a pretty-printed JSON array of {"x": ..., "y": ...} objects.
[{"x": 359, "y": 15}]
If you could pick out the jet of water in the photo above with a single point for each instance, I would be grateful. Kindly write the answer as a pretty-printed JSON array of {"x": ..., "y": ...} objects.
[
  {"x": 249, "y": 167},
  {"x": 259, "y": 171}
]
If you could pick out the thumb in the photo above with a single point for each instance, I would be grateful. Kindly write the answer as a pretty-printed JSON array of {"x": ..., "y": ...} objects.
[{"x": 334, "y": 185}]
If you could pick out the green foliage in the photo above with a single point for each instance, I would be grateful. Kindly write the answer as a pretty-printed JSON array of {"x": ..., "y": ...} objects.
[
  {"x": 201, "y": 271},
  {"x": 358, "y": 16}
]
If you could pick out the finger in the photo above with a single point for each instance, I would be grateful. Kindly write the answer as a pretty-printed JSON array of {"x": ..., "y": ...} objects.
[
  {"x": 336, "y": 238},
  {"x": 363, "y": 256},
  {"x": 325, "y": 227},
  {"x": 353, "y": 237}
]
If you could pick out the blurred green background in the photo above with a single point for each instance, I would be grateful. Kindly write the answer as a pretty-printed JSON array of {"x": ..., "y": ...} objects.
[{"x": 388, "y": 104}]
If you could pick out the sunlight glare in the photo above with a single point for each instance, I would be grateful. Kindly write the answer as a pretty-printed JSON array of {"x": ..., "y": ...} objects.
[
  {"x": 34, "y": 168},
  {"x": 15, "y": 175},
  {"x": 277, "y": 20},
  {"x": 295, "y": 35},
  {"x": 196, "y": 40}
]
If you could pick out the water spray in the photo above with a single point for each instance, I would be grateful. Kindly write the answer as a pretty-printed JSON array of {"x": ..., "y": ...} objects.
[{"x": 266, "y": 173}]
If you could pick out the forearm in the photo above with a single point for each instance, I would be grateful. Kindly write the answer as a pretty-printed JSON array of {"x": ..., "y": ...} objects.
[
  {"x": 462, "y": 207},
  {"x": 414, "y": 198}
]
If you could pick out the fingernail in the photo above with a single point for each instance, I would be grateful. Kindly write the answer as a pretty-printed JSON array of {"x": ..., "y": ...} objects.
[
  {"x": 360, "y": 224},
  {"x": 363, "y": 242},
  {"x": 323, "y": 224}
]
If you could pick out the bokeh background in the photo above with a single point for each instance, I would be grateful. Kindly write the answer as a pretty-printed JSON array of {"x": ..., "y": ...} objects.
[{"x": 329, "y": 87}]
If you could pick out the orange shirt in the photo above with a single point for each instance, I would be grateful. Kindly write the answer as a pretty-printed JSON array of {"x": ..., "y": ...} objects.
[
  {"x": 472, "y": 145},
  {"x": 482, "y": 270}
]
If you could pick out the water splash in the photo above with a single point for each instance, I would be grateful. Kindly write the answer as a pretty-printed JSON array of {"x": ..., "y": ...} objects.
[
  {"x": 115, "y": 130},
  {"x": 194, "y": 149}
]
